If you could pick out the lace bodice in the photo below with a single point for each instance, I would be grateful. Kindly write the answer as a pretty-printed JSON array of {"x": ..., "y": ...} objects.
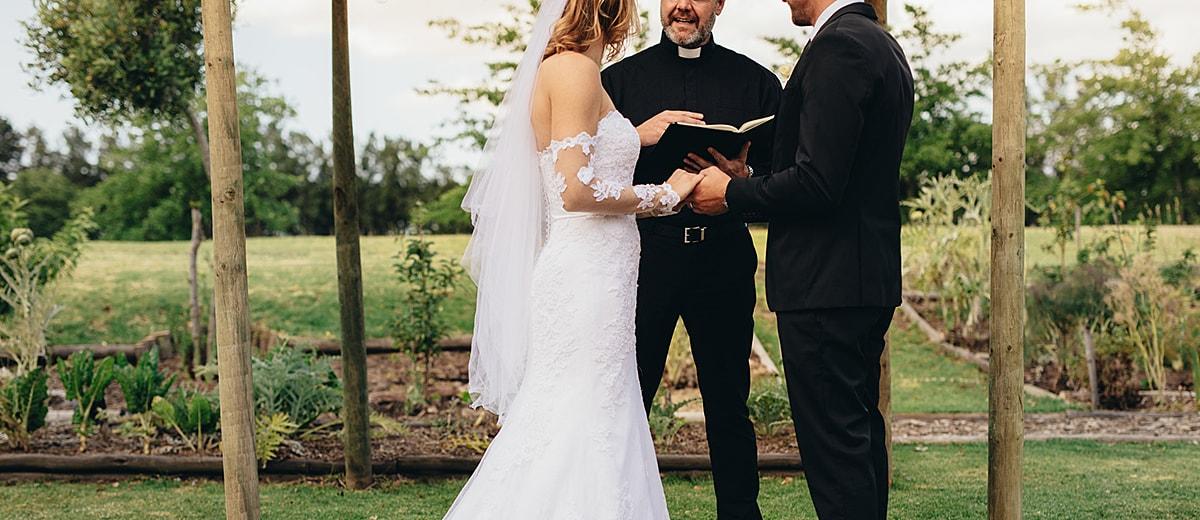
[{"x": 613, "y": 154}]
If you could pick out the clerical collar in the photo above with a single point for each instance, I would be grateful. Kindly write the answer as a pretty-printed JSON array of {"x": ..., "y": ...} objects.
[{"x": 685, "y": 53}]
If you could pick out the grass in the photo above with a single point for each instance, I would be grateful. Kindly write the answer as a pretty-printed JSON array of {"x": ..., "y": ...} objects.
[
  {"x": 1062, "y": 480},
  {"x": 124, "y": 290},
  {"x": 925, "y": 381}
]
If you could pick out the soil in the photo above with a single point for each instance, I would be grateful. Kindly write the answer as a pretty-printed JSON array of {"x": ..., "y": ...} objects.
[{"x": 445, "y": 427}]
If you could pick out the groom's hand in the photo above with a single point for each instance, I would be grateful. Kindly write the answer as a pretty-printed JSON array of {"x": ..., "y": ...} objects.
[
  {"x": 652, "y": 130},
  {"x": 735, "y": 167},
  {"x": 708, "y": 198}
]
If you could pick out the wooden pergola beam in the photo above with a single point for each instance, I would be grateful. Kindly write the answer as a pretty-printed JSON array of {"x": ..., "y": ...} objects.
[{"x": 1006, "y": 374}]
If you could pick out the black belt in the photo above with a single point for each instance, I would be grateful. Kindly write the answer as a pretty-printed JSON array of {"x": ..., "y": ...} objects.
[{"x": 693, "y": 234}]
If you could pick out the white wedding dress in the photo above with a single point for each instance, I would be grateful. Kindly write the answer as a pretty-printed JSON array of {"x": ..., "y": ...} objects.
[{"x": 575, "y": 443}]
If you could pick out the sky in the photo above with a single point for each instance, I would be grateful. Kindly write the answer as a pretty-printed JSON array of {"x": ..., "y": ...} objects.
[{"x": 394, "y": 51}]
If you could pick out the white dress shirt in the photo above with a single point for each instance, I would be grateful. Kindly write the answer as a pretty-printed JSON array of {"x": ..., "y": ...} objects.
[{"x": 829, "y": 12}]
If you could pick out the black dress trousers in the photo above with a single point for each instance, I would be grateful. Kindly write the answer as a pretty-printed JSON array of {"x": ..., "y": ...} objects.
[
  {"x": 831, "y": 361},
  {"x": 711, "y": 286}
]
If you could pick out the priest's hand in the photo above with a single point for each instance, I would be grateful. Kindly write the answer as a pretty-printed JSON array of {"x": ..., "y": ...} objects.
[
  {"x": 735, "y": 167},
  {"x": 708, "y": 197},
  {"x": 652, "y": 130}
]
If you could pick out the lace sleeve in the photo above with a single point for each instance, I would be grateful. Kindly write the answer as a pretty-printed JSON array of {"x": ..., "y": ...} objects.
[
  {"x": 585, "y": 191},
  {"x": 658, "y": 200},
  {"x": 601, "y": 190}
]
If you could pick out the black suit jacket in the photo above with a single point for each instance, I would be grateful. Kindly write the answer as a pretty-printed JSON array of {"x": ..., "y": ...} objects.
[{"x": 833, "y": 194}]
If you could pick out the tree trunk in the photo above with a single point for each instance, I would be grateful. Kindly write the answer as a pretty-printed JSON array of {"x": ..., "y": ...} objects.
[
  {"x": 885, "y": 399},
  {"x": 1006, "y": 374},
  {"x": 201, "y": 142},
  {"x": 194, "y": 291},
  {"x": 355, "y": 412},
  {"x": 1079, "y": 229},
  {"x": 1089, "y": 350},
  {"x": 229, "y": 256}
]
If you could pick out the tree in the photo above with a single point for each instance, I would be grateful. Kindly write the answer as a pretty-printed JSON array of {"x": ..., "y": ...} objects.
[
  {"x": 397, "y": 175},
  {"x": 506, "y": 38},
  {"x": 156, "y": 173},
  {"x": 121, "y": 59},
  {"x": 1132, "y": 120},
  {"x": 11, "y": 149},
  {"x": 48, "y": 195}
]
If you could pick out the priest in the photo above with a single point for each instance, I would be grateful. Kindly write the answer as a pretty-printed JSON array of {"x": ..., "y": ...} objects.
[{"x": 687, "y": 77}]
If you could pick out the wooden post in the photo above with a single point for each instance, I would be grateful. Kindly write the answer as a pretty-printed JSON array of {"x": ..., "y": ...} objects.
[
  {"x": 194, "y": 292},
  {"x": 885, "y": 360},
  {"x": 356, "y": 440},
  {"x": 880, "y": 10},
  {"x": 885, "y": 399},
  {"x": 229, "y": 254},
  {"x": 1006, "y": 373}
]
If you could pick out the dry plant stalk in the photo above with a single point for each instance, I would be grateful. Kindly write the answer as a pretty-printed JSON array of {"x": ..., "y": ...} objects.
[
  {"x": 1152, "y": 313},
  {"x": 23, "y": 334}
]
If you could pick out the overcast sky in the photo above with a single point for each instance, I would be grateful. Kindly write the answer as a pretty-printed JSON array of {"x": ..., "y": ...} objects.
[{"x": 394, "y": 51}]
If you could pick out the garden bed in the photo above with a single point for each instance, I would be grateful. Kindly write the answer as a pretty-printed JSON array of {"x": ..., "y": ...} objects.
[
  {"x": 445, "y": 429},
  {"x": 1040, "y": 376}
]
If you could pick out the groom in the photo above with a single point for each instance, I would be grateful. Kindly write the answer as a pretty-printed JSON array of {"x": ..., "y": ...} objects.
[{"x": 833, "y": 249}]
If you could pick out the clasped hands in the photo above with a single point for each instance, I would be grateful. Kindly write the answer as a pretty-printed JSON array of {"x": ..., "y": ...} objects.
[{"x": 702, "y": 184}]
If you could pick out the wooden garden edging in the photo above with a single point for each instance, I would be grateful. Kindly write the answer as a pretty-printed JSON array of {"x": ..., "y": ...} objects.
[
  {"x": 112, "y": 464},
  {"x": 333, "y": 346},
  {"x": 939, "y": 339},
  {"x": 162, "y": 339}
]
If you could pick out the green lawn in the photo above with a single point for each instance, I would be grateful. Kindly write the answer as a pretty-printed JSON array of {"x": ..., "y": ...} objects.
[
  {"x": 123, "y": 290},
  {"x": 1062, "y": 480}
]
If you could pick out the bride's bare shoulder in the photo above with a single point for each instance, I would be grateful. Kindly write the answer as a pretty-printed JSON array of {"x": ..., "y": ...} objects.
[{"x": 569, "y": 71}]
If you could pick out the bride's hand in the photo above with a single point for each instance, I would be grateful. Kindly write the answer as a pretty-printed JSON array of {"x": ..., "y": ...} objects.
[{"x": 683, "y": 183}]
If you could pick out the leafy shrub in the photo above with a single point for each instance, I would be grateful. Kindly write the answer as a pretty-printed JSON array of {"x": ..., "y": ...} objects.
[
  {"x": 299, "y": 384},
  {"x": 948, "y": 246},
  {"x": 1067, "y": 309},
  {"x": 422, "y": 324},
  {"x": 85, "y": 382},
  {"x": 142, "y": 382},
  {"x": 769, "y": 407},
  {"x": 664, "y": 425},
  {"x": 1157, "y": 318},
  {"x": 445, "y": 214},
  {"x": 23, "y": 407},
  {"x": 1183, "y": 273},
  {"x": 191, "y": 414},
  {"x": 270, "y": 433}
]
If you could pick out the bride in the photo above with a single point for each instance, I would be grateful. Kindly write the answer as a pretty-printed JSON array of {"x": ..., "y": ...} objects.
[{"x": 555, "y": 256}]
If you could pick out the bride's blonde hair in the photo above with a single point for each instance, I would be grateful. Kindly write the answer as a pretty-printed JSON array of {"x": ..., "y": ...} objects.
[{"x": 585, "y": 22}]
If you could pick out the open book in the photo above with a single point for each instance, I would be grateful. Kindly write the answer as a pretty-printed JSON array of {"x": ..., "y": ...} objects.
[{"x": 683, "y": 138}]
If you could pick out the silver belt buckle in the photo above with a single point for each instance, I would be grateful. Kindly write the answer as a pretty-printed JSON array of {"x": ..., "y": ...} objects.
[{"x": 687, "y": 234}]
